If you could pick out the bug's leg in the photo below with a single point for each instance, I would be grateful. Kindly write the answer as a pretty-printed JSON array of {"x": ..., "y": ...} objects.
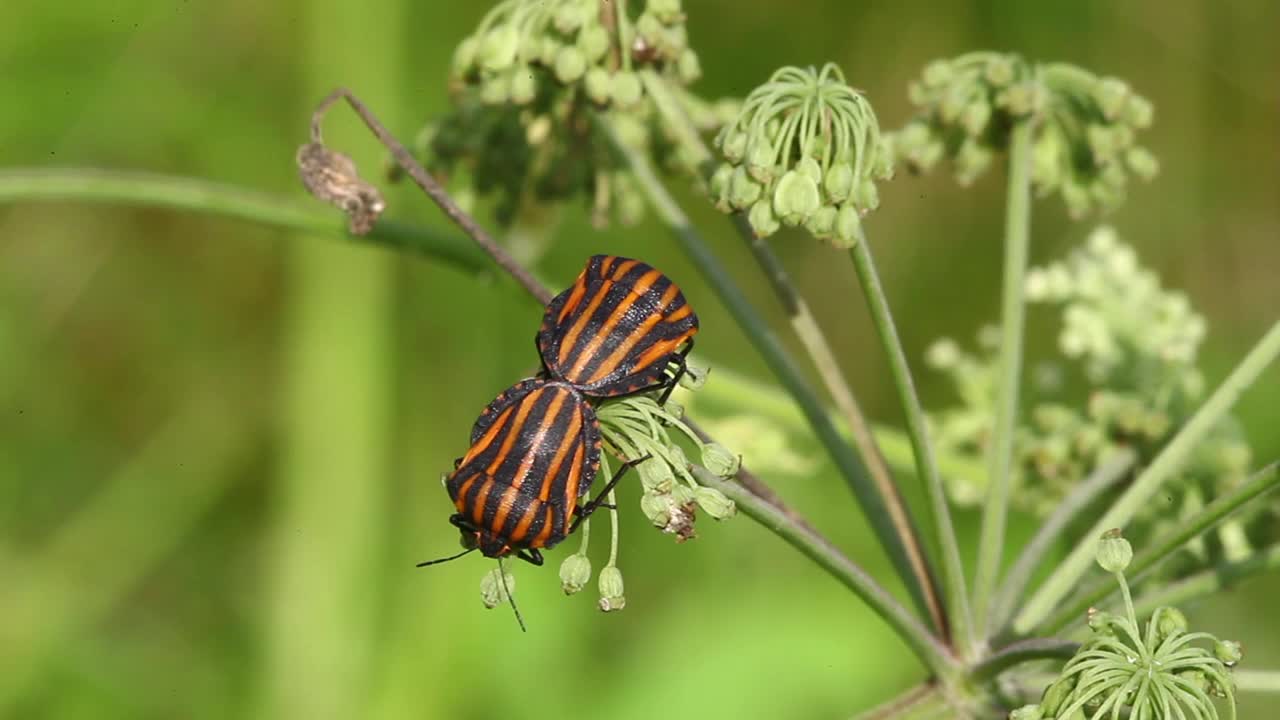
[
  {"x": 585, "y": 510},
  {"x": 531, "y": 556},
  {"x": 682, "y": 366}
]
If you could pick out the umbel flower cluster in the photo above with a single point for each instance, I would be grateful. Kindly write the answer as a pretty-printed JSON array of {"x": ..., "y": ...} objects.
[
  {"x": 805, "y": 150},
  {"x": 1134, "y": 345},
  {"x": 1165, "y": 671},
  {"x": 1084, "y": 126},
  {"x": 526, "y": 85}
]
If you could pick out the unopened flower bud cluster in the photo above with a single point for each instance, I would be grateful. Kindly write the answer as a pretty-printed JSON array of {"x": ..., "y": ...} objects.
[
  {"x": 526, "y": 85},
  {"x": 805, "y": 151},
  {"x": 1084, "y": 126},
  {"x": 1133, "y": 344}
]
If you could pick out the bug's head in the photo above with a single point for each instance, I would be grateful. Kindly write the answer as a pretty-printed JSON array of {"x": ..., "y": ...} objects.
[{"x": 477, "y": 538}]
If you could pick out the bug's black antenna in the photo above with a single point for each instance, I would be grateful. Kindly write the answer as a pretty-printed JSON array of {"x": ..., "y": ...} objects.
[
  {"x": 444, "y": 560},
  {"x": 502, "y": 575}
]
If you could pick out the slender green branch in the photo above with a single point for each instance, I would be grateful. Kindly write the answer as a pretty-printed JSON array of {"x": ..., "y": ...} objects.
[
  {"x": 1033, "y": 555},
  {"x": 121, "y": 187},
  {"x": 1022, "y": 652},
  {"x": 1209, "y": 517},
  {"x": 1208, "y": 582},
  {"x": 895, "y": 540},
  {"x": 1000, "y": 454},
  {"x": 1257, "y": 680},
  {"x": 1169, "y": 461},
  {"x": 931, "y": 652},
  {"x": 926, "y": 463}
]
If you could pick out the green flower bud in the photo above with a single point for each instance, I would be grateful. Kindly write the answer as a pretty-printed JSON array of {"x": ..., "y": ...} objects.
[
  {"x": 743, "y": 190},
  {"x": 848, "y": 222},
  {"x": 688, "y": 67},
  {"x": 1046, "y": 160},
  {"x": 596, "y": 83},
  {"x": 1027, "y": 712},
  {"x": 795, "y": 197},
  {"x": 953, "y": 103},
  {"x": 975, "y": 117},
  {"x": 1228, "y": 651},
  {"x": 627, "y": 89},
  {"x": 1142, "y": 162},
  {"x": 492, "y": 592},
  {"x": 733, "y": 143},
  {"x": 524, "y": 87},
  {"x": 1023, "y": 98},
  {"x": 497, "y": 50},
  {"x": 655, "y": 476},
  {"x": 926, "y": 156},
  {"x": 838, "y": 183},
  {"x": 678, "y": 459},
  {"x": 937, "y": 73},
  {"x": 496, "y": 90},
  {"x": 1196, "y": 678},
  {"x": 1057, "y": 694},
  {"x": 1077, "y": 199},
  {"x": 719, "y": 186},
  {"x": 611, "y": 589},
  {"x": 1169, "y": 622},
  {"x": 575, "y": 573},
  {"x": 571, "y": 64},
  {"x": 594, "y": 42},
  {"x": 1114, "y": 552},
  {"x": 866, "y": 197},
  {"x": 1102, "y": 622},
  {"x": 550, "y": 49},
  {"x": 569, "y": 17},
  {"x": 695, "y": 376},
  {"x": 762, "y": 219},
  {"x": 657, "y": 507},
  {"x": 882, "y": 165},
  {"x": 464, "y": 56},
  {"x": 674, "y": 409},
  {"x": 1000, "y": 71},
  {"x": 822, "y": 223},
  {"x": 714, "y": 503},
  {"x": 811, "y": 169},
  {"x": 721, "y": 462},
  {"x": 1101, "y": 142},
  {"x": 683, "y": 495},
  {"x": 668, "y": 11},
  {"x": 760, "y": 159},
  {"x": 1111, "y": 94},
  {"x": 649, "y": 29},
  {"x": 1138, "y": 112}
]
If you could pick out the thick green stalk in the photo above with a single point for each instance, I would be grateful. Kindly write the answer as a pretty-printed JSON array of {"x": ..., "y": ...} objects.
[
  {"x": 142, "y": 189},
  {"x": 1035, "y": 552},
  {"x": 1267, "y": 681},
  {"x": 1017, "y": 239},
  {"x": 926, "y": 462},
  {"x": 321, "y": 622},
  {"x": 1208, "y": 518},
  {"x": 897, "y": 541},
  {"x": 1169, "y": 461},
  {"x": 931, "y": 652},
  {"x": 1209, "y": 582},
  {"x": 1022, "y": 652}
]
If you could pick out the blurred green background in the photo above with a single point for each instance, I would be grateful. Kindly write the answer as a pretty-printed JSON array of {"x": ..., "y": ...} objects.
[{"x": 220, "y": 445}]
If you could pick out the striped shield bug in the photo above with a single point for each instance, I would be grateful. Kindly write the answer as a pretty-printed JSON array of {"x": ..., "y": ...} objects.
[{"x": 617, "y": 330}]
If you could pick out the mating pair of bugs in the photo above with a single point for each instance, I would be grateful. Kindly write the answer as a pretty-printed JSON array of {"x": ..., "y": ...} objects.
[{"x": 622, "y": 328}]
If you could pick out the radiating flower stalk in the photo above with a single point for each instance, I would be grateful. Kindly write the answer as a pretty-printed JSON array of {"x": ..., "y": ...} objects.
[{"x": 1163, "y": 672}]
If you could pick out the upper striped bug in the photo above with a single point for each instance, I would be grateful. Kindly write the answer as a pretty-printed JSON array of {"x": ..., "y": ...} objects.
[{"x": 617, "y": 330}]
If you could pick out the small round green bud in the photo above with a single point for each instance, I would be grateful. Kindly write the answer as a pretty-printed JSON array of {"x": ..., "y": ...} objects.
[
  {"x": 673, "y": 408},
  {"x": 760, "y": 159},
  {"x": 611, "y": 589},
  {"x": 1047, "y": 159},
  {"x": 668, "y": 11},
  {"x": 492, "y": 591},
  {"x": 569, "y": 17},
  {"x": 1138, "y": 112},
  {"x": 975, "y": 117},
  {"x": 496, "y": 90},
  {"x": 498, "y": 48},
  {"x": 1114, "y": 552},
  {"x": 597, "y": 85},
  {"x": 721, "y": 462},
  {"x": 682, "y": 494},
  {"x": 848, "y": 223},
  {"x": 866, "y": 197},
  {"x": 1027, "y": 712},
  {"x": 524, "y": 87},
  {"x": 795, "y": 197},
  {"x": 1021, "y": 98},
  {"x": 743, "y": 190},
  {"x": 464, "y": 56},
  {"x": 714, "y": 503},
  {"x": 1111, "y": 94},
  {"x": 570, "y": 64},
  {"x": 593, "y": 41},
  {"x": 822, "y": 223},
  {"x": 1142, "y": 162},
  {"x": 953, "y": 103},
  {"x": 657, "y": 507},
  {"x": 649, "y": 29},
  {"x": 1000, "y": 71},
  {"x": 937, "y": 73},
  {"x": 1077, "y": 198},
  {"x": 1196, "y": 678},
  {"x": 627, "y": 89},
  {"x": 1228, "y": 651},
  {"x": 1101, "y": 142},
  {"x": 695, "y": 376},
  {"x": 549, "y": 48},
  {"x": 925, "y": 157},
  {"x": 688, "y": 67},
  {"x": 811, "y": 169},
  {"x": 575, "y": 573},
  {"x": 1102, "y": 622},
  {"x": 1169, "y": 622},
  {"x": 719, "y": 186},
  {"x": 678, "y": 458},
  {"x": 838, "y": 182},
  {"x": 1057, "y": 694},
  {"x": 882, "y": 165},
  {"x": 655, "y": 476},
  {"x": 762, "y": 218},
  {"x": 733, "y": 144}
]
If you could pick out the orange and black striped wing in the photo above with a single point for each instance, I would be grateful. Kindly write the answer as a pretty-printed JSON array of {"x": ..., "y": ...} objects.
[
  {"x": 616, "y": 330},
  {"x": 536, "y": 454}
]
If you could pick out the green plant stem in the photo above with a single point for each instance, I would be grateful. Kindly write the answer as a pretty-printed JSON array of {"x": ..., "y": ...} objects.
[
  {"x": 922, "y": 702},
  {"x": 1210, "y": 516},
  {"x": 931, "y": 652},
  {"x": 142, "y": 189},
  {"x": 926, "y": 463},
  {"x": 1267, "y": 681},
  {"x": 1209, "y": 582},
  {"x": 1170, "y": 459},
  {"x": 1020, "y": 652},
  {"x": 1017, "y": 240},
  {"x": 1035, "y": 552},
  {"x": 896, "y": 540}
]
